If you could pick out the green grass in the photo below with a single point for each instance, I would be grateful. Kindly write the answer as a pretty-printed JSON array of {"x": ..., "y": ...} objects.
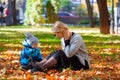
[{"x": 15, "y": 34}]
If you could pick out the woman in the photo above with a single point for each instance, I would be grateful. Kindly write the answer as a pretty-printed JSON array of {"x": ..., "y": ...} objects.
[{"x": 73, "y": 53}]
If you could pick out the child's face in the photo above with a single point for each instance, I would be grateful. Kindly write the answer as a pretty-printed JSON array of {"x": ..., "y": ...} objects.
[{"x": 35, "y": 45}]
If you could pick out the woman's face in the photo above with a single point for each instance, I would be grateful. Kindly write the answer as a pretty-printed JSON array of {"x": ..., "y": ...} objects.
[{"x": 58, "y": 34}]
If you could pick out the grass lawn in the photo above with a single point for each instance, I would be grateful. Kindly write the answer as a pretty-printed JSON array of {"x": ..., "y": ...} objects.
[{"x": 104, "y": 52}]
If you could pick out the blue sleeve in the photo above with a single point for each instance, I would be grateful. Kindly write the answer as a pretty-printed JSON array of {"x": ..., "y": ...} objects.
[
  {"x": 38, "y": 55},
  {"x": 23, "y": 57}
]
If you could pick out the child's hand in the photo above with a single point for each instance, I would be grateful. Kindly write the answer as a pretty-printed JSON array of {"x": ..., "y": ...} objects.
[{"x": 37, "y": 63}]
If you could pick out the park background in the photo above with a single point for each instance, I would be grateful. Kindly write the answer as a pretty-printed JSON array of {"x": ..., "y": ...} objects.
[{"x": 97, "y": 21}]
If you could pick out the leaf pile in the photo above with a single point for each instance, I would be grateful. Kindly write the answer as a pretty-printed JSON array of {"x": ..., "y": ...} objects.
[{"x": 103, "y": 66}]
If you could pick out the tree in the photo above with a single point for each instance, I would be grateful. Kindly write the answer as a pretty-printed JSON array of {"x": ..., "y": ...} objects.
[
  {"x": 113, "y": 24},
  {"x": 52, "y": 7},
  {"x": 66, "y": 5},
  {"x": 81, "y": 10},
  {"x": 9, "y": 18},
  {"x": 56, "y": 5},
  {"x": 50, "y": 12},
  {"x": 90, "y": 13},
  {"x": 104, "y": 17},
  {"x": 14, "y": 12},
  {"x": 33, "y": 12}
]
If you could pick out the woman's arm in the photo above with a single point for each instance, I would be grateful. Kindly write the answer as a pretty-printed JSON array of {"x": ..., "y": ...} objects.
[{"x": 74, "y": 46}]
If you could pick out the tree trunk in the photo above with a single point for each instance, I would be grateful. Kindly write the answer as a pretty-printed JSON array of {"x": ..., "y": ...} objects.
[
  {"x": 90, "y": 13},
  {"x": 14, "y": 12},
  {"x": 113, "y": 17},
  {"x": 24, "y": 9},
  {"x": 9, "y": 18},
  {"x": 118, "y": 17},
  {"x": 104, "y": 17},
  {"x": 24, "y": 6}
]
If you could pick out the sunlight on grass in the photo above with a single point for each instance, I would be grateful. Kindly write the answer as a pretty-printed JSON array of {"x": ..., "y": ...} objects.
[
  {"x": 28, "y": 29},
  {"x": 48, "y": 29},
  {"x": 91, "y": 36}
]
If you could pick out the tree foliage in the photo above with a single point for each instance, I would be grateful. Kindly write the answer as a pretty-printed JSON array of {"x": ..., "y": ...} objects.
[
  {"x": 33, "y": 11},
  {"x": 81, "y": 10},
  {"x": 56, "y": 5},
  {"x": 52, "y": 7},
  {"x": 50, "y": 12},
  {"x": 65, "y": 5}
]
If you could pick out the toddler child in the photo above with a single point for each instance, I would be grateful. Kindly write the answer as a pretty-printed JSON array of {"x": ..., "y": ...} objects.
[{"x": 30, "y": 54}]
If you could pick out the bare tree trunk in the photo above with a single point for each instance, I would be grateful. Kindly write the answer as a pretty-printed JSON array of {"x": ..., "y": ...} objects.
[
  {"x": 104, "y": 17},
  {"x": 14, "y": 12},
  {"x": 9, "y": 18},
  {"x": 118, "y": 17},
  {"x": 24, "y": 6},
  {"x": 113, "y": 17},
  {"x": 90, "y": 13}
]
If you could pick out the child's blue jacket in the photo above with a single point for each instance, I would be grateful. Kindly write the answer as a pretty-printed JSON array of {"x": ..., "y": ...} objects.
[{"x": 29, "y": 54}]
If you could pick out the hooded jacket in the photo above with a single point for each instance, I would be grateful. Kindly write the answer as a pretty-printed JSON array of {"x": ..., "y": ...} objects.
[{"x": 29, "y": 54}]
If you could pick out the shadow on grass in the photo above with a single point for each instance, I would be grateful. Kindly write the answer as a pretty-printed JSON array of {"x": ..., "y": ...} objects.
[{"x": 93, "y": 40}]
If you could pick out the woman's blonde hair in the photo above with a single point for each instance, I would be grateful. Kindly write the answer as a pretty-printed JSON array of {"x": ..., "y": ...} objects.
[{"x": 59, "y": 26}]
